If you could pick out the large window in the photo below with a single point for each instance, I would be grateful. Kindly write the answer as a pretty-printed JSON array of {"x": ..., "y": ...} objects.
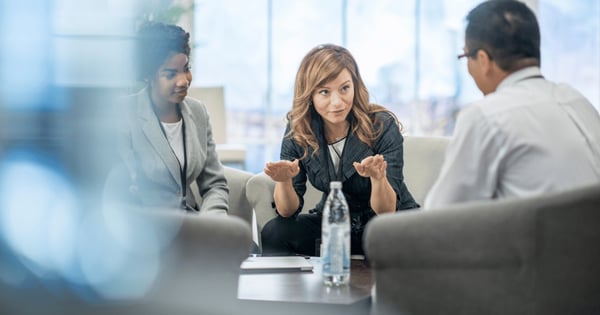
[
  {"x": 571, "y": 44},
  {"x": 406, "y": 51}
]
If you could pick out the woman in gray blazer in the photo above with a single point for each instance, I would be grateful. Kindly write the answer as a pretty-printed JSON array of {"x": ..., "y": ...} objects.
[{"x": 166, "y": 143}]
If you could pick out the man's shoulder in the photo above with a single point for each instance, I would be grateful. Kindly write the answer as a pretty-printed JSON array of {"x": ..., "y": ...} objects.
[
  {"x": 473, "y": 111},
  {"x": 477, "y": 118},
  {"x": 566, "y": 93},
  {"x": 497, "y": 103}
]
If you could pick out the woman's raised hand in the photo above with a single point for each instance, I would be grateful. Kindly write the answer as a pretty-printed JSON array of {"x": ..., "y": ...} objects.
[
  {"x": 283, "y": 170},
  {"x": 371, "y": 166}
]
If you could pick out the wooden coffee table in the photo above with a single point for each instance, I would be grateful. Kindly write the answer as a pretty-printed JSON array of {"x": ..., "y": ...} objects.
[{"x": 304, "y": 292}]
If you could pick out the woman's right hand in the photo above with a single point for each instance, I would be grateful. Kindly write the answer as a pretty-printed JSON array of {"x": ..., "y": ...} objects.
[{"x": 283, "y": 170}]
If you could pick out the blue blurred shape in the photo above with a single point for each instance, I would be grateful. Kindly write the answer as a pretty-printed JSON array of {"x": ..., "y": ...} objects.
[
  {"x": 38, "y": 215},
  {"x": 24, "y": 58}
]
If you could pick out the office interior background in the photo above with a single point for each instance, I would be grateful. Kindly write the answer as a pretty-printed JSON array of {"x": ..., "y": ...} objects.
[
  {"x": 63, "y": 63},
  {"x": 406, "y": 51}
]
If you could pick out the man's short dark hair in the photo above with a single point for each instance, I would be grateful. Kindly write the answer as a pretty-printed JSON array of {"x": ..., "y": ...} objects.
[
  {"x": 155, "y": 43},
  {"x": 507, "y": 30}
]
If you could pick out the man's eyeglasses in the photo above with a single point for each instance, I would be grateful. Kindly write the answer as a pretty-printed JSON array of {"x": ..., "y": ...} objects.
[{"x": 469, "y": 54}]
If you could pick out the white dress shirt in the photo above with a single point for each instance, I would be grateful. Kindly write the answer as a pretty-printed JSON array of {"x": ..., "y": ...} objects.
[{"x": 531, "y": 136}]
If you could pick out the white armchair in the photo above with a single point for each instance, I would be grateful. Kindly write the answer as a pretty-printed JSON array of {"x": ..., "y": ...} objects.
[
  {"x": 259, "y": 192},
  {"x": 214, "y": 100},
  {"x": 423, "y": 159}
]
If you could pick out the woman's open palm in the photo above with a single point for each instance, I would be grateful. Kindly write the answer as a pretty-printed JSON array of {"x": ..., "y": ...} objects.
[
  {"x": 283, "y": 170},
  {"x": 372, "y": 166}
]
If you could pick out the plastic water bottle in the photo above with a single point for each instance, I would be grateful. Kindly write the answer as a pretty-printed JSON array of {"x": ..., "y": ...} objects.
[{"x": 335, "y": 233}]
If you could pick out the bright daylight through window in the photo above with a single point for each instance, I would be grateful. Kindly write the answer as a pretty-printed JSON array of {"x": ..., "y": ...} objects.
[{"x": 406, "y": 51}]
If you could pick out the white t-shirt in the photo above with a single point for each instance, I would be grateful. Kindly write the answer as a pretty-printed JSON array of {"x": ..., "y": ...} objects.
[
  {"x": 174, "y": 135},
  {"x": 335, "y": 151},
  {"x": 530, "y": 137}
]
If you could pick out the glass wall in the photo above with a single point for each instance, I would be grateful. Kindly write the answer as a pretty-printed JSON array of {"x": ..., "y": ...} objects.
[
  {"x": 571, "y": 44},
  {"x": 406, "y": 51}
]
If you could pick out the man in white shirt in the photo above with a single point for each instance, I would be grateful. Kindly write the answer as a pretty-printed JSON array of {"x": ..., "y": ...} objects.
[{"x": 528, "y": 135}]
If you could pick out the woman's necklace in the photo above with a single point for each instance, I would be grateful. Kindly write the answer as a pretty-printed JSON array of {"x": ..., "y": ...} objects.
[{"x": 337, "y": 139}]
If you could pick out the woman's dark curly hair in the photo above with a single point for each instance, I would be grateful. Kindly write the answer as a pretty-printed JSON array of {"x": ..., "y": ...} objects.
[{"x": 155, "y": 43}]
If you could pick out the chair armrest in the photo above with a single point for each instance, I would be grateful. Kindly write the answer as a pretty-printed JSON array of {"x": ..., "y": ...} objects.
[
  {"x": 423, "y": 159},
  {"x": 259, "y": 192},
  {"x": 481, "y": 234},
  {"x": 464, "y": 260},
  {"x": 238, "y": 203}
]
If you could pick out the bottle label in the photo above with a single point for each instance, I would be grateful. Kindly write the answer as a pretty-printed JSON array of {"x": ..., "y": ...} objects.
[
  {"x": 335, "y": 234},
  {"x": 335, "y": 252}
]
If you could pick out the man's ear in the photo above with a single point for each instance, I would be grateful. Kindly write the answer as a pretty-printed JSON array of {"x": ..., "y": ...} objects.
[
  {"x": 484, "y": 62},
  {"x": 490, "y": 74}
]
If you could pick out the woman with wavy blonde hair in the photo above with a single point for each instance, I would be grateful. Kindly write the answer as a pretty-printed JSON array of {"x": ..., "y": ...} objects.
[{"x": 334, "y": 134}]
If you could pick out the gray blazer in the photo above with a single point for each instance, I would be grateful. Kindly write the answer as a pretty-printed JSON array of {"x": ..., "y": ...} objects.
[{"x": 153, "y": 167}]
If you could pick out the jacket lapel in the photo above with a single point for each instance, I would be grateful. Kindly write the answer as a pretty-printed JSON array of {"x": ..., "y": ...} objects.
[
  {"x": 154, "y": 134},
  {"x": 354, "y": 151},
  {"x": 191, "y": 139},
  {"x": 326, "y": 170}
]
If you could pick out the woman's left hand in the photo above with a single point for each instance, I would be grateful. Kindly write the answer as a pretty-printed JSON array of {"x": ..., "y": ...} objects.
[{"x": 372, "y": 166}]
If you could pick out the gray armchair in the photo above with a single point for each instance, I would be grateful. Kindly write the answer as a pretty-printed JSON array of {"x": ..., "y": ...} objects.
[
  {"x": 538, "y": 255},
  {"x": 238, "y": 203}
]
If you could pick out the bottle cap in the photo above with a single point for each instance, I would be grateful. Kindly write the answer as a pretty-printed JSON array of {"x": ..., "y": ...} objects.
[{"x": 333, "y": 185}]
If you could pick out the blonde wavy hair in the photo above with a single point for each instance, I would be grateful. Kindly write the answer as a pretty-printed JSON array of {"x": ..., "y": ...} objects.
[{"x": 321, "y": 65}]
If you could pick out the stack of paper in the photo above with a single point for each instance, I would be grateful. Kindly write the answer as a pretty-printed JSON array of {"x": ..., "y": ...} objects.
[{"x": 276, "y": 263}]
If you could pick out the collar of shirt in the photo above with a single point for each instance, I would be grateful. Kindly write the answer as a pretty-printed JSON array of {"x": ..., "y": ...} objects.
[{"x": 519, "y": 76}]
